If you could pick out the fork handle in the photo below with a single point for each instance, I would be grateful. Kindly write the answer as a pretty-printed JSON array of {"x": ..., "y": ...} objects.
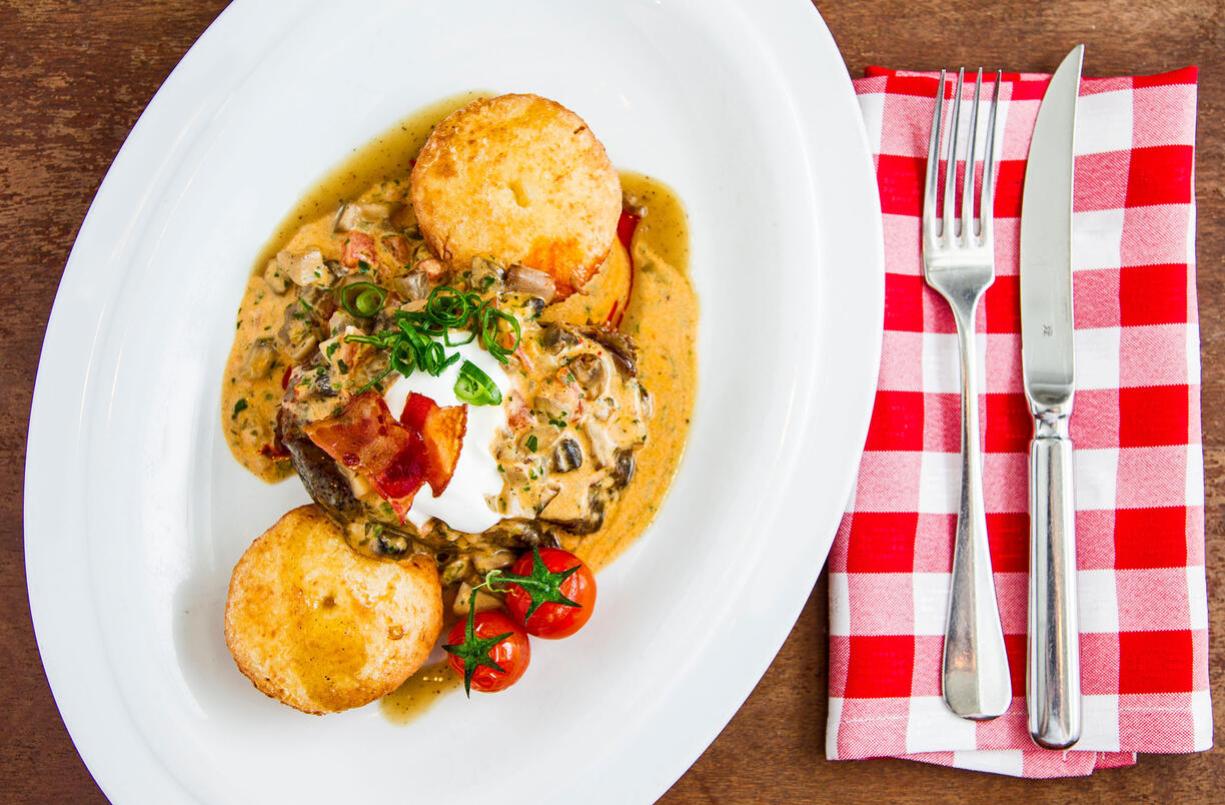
[
  {"x": 976, "y": 680},
  {"x": 1053, "y": 681}
]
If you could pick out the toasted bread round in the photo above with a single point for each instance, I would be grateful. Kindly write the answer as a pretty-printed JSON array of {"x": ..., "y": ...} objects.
[
  {"x": 322, "y": 628},
  {"x": 519, "y": 179}
]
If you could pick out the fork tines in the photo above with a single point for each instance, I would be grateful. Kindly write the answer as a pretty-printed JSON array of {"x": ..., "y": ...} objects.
[{"x": 939, "y": 227}]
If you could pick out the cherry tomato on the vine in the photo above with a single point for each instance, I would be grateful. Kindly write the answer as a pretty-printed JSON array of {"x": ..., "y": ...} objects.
[
  {"x": 489, "y": 650},
  {"x": 542, "y": 606}
]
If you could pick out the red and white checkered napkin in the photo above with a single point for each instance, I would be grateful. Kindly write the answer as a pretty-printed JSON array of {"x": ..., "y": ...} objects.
[{"x": 1136, "y": 428}]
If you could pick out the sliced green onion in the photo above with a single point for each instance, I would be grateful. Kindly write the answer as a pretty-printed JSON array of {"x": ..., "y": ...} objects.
[
  {"x": 469, "y": 337},
  {"x": 475, "y": 387},
  {"x": 448, "y": 307},
  {"x": 362, "y": 299},
  {"x": 418, "y": 339},
  {"x": 488, "y": 321}
]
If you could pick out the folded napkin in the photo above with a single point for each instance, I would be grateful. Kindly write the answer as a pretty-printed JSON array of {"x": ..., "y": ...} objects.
[{"x": 1136, "y": 428}]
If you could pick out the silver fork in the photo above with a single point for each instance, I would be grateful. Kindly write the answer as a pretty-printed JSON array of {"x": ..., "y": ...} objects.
[{"x": 959, "y": 262}]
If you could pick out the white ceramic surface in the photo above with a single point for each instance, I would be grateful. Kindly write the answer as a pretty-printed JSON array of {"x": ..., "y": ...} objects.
[{"x": 135, "y": 511}]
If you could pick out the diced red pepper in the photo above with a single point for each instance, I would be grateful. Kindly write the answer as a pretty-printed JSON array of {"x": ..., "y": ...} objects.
[
  {"x": 274, "y": 450},
  {"x": 358, "y": 248},
  {"x": 626, "y": 224}
]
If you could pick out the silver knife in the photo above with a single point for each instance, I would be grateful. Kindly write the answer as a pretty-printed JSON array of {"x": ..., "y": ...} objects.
[{"x": 1052, "y": 689}]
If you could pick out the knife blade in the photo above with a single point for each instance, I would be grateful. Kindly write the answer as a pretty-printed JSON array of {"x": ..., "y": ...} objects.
[
  {"x": 1046, "y": 243},
  {"x": 1053, "y": 700}
]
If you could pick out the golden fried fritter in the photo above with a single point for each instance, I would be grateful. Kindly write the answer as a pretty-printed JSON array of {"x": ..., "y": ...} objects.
[
  {"x": 519, "y": 179},
  {"x": 322, "y": 628}
]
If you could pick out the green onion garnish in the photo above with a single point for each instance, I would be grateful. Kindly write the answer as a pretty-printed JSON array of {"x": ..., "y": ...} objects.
[
  {"x": 475, "y": 387},
  {"x": 488, "y": 319},
  {"x": 450, "y": 318},
  {"x": 362, "y": 299}
]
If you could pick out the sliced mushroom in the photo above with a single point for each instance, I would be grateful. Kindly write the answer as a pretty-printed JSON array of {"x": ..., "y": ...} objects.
[
  {"x": 588, "y": 369},
  {"x": 567, "y": 456},
  {"x": 297, "y": 334},
  {"x": 389, "y": 543},
  {"x": 619, "y": 346},
  {"x": 349, "y": 216},
  {"x": 454, "y": 571},
  {"x": 535, "y": 306},
  {"x": 275, "y": 279},
  {"x": 623, "y": 471},
  {"x": 412, "y": 286},
  {"x": 306, "y": 268},
  {"x": 492, "y": 560},
  {"x": 319, "y": 302},
  {"x": 519, "y": 534},
  {"x": 324, "y": 481},
  {"x": 340, "y": 322},
  {"x": 555, "y": 337},
  {"x": 485, "y": 274},
  {"x": 259, "y": 359},
  {"x": 522, "y": 279}
]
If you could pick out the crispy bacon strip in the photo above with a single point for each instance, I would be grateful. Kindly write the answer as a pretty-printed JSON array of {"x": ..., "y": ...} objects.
[
  {"x": 400, "y": 457},
  {"x": 442, "y": 429},
  {"x": 367, "y": 439}
]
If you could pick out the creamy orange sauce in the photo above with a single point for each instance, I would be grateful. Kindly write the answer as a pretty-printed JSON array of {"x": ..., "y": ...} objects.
[
  {"x": 661, "y": 317},
  {"x": 249, "y": 403},
  {"x": 387, "y": 158}
]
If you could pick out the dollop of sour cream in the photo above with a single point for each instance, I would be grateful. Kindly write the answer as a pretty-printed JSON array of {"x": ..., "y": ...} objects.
[{"x": 463, "y": 505}]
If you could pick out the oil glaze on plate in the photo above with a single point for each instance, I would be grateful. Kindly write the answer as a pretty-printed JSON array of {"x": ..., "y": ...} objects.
[{"x": 135, "y": 512}]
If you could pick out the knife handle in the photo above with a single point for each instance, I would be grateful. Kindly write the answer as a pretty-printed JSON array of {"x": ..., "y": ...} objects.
[{"x": 1052, "y": 690}]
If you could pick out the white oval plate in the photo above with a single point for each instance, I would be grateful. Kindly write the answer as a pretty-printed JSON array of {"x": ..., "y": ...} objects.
[{"x": 135, "y": 512}]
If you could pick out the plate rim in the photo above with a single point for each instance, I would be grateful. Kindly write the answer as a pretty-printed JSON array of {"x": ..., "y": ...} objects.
[{"x": 804, "y": 39}]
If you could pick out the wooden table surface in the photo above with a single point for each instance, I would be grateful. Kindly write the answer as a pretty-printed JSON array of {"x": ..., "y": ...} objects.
[{"x": 75, "y": 76}]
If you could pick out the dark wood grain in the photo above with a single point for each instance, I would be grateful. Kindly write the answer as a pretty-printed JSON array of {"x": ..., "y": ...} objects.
[{"x": 74, "y": 78}]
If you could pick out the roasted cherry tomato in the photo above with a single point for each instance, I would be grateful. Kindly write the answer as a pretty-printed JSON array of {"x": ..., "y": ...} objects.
[
  {"x": 489, "y": 650},
  {"x": 554, "y": 581}
]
